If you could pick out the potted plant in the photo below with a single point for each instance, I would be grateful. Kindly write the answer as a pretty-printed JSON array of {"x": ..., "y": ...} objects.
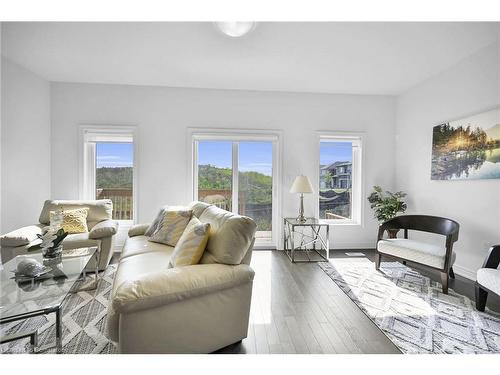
[{"x": 386, "y": 206}]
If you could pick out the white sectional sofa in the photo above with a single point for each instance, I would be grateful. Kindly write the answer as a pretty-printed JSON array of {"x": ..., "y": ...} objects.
[
  {"x": 191, "y": 309},
  {"x": 99, "y": 221}
]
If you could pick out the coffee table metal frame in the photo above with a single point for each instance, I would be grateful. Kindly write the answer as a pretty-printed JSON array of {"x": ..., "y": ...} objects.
[
  {"x": 316, "y": 237},
  {"x": 49, "y": 310}
]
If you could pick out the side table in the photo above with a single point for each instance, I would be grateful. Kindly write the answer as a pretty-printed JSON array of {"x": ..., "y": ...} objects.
[{"x": 319, "y": 234}]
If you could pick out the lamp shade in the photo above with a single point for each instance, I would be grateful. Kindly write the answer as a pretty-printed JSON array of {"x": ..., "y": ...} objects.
[{"x": 301, "y": 185}]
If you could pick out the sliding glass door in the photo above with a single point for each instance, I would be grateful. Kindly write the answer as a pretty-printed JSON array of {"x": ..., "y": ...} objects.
[
  {"x": 215, "y": 173},
  {"x": 238, "y": 176},
  {"x": 255, "y": 185}
]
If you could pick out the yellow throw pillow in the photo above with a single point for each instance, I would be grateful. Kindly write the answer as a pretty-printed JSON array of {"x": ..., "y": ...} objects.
[
  {"x": 171, "y": 226},
  {"x": 74, "y": 221},
  {"x": 191, "y": 245}
]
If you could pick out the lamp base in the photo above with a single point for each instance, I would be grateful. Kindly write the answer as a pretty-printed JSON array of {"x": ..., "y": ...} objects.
[{"x": 301, "y": 218}]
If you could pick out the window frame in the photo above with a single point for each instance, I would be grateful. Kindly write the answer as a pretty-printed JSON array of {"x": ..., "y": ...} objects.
[
  {"x": 357, "y": 202},
  {"x": 89, "y": 135},
  {"x": 236, "y": 136}
]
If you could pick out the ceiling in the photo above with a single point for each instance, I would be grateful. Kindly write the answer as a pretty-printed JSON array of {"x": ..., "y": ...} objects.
[{"x": 333, "y": 57}]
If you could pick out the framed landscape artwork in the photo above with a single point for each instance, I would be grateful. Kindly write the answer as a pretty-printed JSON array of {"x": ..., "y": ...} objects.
[{"x": 467, "y": 149}]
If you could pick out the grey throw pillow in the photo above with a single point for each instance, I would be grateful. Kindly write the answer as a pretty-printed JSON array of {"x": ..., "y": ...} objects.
[
  {"x": 154, "y": 225},
  {"x": 172, "y": 225}
]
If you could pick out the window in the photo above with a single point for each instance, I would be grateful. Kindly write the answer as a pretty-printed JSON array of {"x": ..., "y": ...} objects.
[
  {"x": 238, "y": 174},
  {"x": 108, "y": 169},
  {"x": 339, "y": 197},
  {"x": 114, "y": 177}
]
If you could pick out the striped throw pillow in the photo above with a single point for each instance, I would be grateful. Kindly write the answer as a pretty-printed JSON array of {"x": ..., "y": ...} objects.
[{"x": 171, "y": 226}]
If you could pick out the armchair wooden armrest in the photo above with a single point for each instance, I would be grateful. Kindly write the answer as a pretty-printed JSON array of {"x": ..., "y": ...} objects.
[{"x": 493, "y": 258}]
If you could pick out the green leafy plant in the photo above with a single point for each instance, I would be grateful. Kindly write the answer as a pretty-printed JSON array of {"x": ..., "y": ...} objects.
[{"x": 386, "y": 205}]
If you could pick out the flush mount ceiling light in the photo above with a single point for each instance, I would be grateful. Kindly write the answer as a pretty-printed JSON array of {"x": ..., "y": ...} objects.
[{"x": 235, "y": 29}]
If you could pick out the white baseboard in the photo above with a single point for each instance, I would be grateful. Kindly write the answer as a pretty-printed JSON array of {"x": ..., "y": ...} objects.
[{"x": 465, "y": 272}]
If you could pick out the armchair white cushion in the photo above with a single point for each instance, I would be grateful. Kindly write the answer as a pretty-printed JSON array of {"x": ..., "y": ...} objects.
[
  {"x": 490, "y": 279},
  {"x": 417, "y": 251}
]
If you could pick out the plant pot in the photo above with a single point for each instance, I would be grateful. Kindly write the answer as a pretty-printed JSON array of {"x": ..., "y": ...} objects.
[
  {"x": 52, "y": 252},
  {"x": 392, "y": 233}
]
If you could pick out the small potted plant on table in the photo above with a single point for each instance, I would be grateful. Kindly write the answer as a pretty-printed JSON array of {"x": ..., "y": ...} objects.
[{"x": 386, "y": 206}]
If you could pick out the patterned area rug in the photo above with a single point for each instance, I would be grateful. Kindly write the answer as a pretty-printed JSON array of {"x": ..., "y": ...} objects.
[
  {"x": 84, "y": 323},
  {"x": 412, "y": 310}
]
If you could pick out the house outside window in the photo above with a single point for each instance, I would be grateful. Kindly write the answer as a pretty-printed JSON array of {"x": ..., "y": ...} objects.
[{"x": 339, "y": 196}]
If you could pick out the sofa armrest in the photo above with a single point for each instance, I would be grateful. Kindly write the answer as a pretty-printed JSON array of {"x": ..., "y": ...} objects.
[
  {"x": 22, "y": 236},
  {"x": 102, "y": 229},
  {"x": 138, "y": 230},
  {"x": 177, "y": 284}
]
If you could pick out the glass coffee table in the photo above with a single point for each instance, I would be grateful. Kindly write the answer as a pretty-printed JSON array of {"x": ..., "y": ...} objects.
[{"x": 25, "y": 298}]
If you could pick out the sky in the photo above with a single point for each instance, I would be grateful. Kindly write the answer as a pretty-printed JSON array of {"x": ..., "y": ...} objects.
[
  {"x": 253, "y": 156},
  {"x": 114, "y": 154},
  {"x": 331, "y": 152}
]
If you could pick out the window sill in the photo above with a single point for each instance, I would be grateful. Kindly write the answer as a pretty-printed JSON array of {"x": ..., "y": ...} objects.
[{"x": 340, "y": 223}]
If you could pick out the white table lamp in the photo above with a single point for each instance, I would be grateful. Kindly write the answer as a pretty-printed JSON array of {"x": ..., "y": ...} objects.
[{"x": 301, "y": 185}]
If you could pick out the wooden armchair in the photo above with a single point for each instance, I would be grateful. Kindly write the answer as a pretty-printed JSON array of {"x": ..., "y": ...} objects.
[
  {"x": 436, "y": 257},
  {"x": 488, "y": 278}
]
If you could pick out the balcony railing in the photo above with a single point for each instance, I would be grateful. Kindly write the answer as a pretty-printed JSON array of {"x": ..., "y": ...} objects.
[
  {"x": 122, "y": 199},
  {"x": 221, "y": 198},
  {"x": 332, "y": 216}
]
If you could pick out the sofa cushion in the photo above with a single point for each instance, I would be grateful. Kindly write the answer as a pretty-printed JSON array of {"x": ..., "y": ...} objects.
[
  {"x": 136, "y": 267},
  {"x": 420, "y": 252},
  {"x": 230, "y": 236},
  {"x": 140, "y": 245},
  {"x": 490, "y": 279},
  {"x": 198, "y": 207},
  {"x": 191, "y": 245},
  {"x": 172, "y": 225},
  {"x": 99, "y": 210},
  {"x": 22, "y": 236}
]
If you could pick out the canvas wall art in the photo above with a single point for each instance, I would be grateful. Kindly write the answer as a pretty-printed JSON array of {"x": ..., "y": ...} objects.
[{"x": 468, "y": 148}]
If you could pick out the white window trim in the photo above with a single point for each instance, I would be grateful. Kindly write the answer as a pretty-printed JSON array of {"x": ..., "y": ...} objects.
[
  {"x": 88, "y": 134},
  {"x": 240, "y": 135},
  {"x": 358, "y": 204}
]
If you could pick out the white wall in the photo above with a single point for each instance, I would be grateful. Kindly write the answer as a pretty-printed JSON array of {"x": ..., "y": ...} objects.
[
  {"x": 164, "y": 114},
  {"x": 25, "y": 146},
  {"x": 467, "y": 88}
]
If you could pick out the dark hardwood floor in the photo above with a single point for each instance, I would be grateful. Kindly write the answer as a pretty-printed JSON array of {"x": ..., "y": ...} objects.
[{"x": 297, "y": 308}]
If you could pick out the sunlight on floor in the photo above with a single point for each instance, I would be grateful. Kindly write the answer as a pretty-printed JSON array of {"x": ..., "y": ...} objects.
[
  {"x": 260, "y": 312},
  {"x": 370, "y": 287}
]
